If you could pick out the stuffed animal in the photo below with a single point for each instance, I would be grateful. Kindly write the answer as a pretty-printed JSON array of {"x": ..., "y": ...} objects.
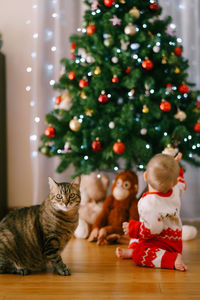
[
  {"x": 189, "y": 232},
  {"x": 119, "y": 207},
  {"x": 93, "y": 190}
]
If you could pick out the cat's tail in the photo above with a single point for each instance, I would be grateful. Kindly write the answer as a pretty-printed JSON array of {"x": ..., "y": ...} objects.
[{"x": 189, "y": 232}]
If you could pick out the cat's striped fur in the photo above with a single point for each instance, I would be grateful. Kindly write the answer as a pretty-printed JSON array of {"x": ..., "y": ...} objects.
[{"x": 31, "y": 237}]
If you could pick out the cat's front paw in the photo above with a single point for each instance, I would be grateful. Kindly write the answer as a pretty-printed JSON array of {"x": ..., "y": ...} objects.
[
  {"x": 63, "y": 270},
  {"x": 22, "y": 271}
]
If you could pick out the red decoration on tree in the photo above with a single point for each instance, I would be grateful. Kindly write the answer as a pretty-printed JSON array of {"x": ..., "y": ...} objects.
[
  {"x": 58, "y": 100},
  {"x": 109, "y": 3},
  {"x": 198, "y": 104},
  {"x": 91, "y": 29},
  {"x": 197, "y": 127},
  {"x": 147, "y": 64},
  {"x": 183, "y": 88},
  {"x": 96, "y": 145},
  {"x": 119, "y": 147},
  {"x": 83, "y": 83},
  {"x": 103, "y": 98},
  {"x": 154, "y": 6},
  {"x": 178, "y": 51},
  {"x": 71, "y": 75},
  {"x": 49, "y": 131},
  {"x": 169, "y": 87},
  {"x": 115, "y": 79},
  {"x": 128, "y": 70},
  {"x": 165, "y": 106},
  {"x": 73, "y": 47}
]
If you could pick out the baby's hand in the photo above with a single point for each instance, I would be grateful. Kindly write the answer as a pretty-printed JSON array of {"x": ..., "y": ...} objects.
[
  {"x": 125, "y": 227},
  {"x": 178, "y": 157}
]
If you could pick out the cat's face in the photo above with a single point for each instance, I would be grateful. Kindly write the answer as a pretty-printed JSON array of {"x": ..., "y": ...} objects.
[{"x": 64, "y": 196}]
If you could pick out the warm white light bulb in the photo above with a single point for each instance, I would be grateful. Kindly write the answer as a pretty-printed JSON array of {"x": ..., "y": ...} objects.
[
  {"x": 33, "y": 137},
  {"x": 53, "y": 48},
  {"x": 28, "y": 69},
  {"x": 28, "y": 88}
]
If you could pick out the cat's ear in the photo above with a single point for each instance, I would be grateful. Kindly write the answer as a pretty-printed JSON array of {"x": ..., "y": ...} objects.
[
  {"x": 76, "y": 181},
  {"x": 52, "y": 184}
]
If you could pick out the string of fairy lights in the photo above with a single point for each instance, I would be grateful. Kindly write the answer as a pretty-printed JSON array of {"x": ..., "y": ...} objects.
[{"x": 49, "y": 67}]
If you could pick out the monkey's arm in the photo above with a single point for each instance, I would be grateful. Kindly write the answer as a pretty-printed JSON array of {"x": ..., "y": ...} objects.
[{"x": 102, "y": 218}]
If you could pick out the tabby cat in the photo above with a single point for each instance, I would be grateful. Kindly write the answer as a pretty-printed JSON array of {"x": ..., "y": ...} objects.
[{"x": 30, "y": 237}]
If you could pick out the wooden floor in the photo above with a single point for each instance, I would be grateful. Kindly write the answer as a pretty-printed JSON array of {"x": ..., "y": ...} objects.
[{"x": 98, "y": 274}]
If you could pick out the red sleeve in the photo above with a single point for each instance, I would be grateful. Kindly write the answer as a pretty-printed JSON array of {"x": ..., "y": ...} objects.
[
  {"x": 134, "y": 227},
  {"x": 181, "y": 178},
  {"x": 137, "y": 230},
  {"x": 181, "y": 173}
]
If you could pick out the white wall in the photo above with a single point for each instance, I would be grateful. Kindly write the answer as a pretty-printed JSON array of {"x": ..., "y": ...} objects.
[{"x": 17, "y": 43}]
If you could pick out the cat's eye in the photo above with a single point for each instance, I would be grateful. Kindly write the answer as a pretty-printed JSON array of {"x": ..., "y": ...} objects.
[{"x": 59, "y": 196}]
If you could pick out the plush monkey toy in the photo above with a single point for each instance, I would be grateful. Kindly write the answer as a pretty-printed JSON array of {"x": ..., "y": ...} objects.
[{"x": 119, "y": 207}]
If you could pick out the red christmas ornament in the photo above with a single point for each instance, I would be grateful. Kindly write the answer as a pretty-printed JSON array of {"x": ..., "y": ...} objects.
[
  {"x": 154, "y": 6},
  {"x": 83, "y": 83},
  {"x": 73, "y": 46},
  {"x": 49, "y": 131},
  {"x": 115, "y": 79},
  {"x": 109, "y": 3},
  {"x": 96, "y": 145},
  {"x": 128, "y": 70},
  {"x": 165, "y": 106},
  {"x": 91, "y": 29},
  {"x": 58, "y": 100},
  {"x": 197, "y": 127},
  {"x": 71, "y": 75},
  {"x": 119, "y": 147},
  {"x": 147, "y": 64},
  {"x": 183, "y": 88},
  {"x": 178, "y": 51},
  {"x": 198, "y": 104},
  {"x": 103, "y": 98}
]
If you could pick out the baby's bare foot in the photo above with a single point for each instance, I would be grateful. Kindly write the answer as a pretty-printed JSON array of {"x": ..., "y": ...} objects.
[
  {"x": 179, "y": 264},
  {"x": 124, "y": 253}
]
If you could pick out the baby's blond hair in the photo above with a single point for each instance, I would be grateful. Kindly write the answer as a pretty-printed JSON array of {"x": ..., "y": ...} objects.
[{"x": 162, "y": 172}]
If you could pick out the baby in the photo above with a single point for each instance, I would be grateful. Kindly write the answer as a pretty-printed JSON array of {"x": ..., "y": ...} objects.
[{"x": 157, "y": 237}]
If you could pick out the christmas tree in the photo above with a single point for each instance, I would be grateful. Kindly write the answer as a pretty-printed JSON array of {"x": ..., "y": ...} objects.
[{"x": 124, "y": 94}]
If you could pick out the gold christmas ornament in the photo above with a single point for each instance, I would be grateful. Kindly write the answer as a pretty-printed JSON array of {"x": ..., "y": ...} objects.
[
  {"x": 145, "y": 109},
  {"x": 83, "y": 95},
  {"x": 130, "y": 29},
  {"x": 89, "y": 112},
  {"x": 74, "y": 124},
  {"x": 196, "y": 110},
  {"x": 164, "y": 60},
  {"x": 180, "y": 115},
  {"x": 177, "y": 70},
  {"x": 97, "y": 71},
  {"x": 169, "y": 150},
  {"x": 122, "y": 1},
  {"x": 134, "y": 12}
]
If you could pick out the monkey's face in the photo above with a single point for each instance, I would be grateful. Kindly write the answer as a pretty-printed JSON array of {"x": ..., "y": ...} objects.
[{"x": 122, "y": 189}]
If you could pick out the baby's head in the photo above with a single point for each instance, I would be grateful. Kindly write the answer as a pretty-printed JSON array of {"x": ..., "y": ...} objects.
[{"x": 162, "y": 172}]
